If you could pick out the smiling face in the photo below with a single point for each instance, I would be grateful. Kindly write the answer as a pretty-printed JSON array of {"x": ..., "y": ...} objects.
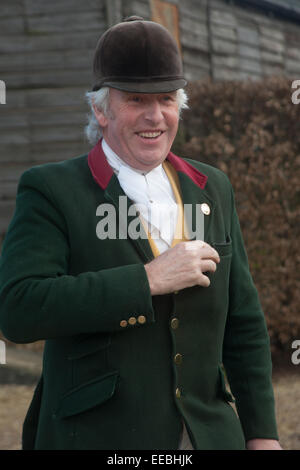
[{"x": 140, "y": 128}]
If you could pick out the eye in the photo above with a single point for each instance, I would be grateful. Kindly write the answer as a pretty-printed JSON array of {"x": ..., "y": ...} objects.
[
  {"x": 168, "y": 98},
  {"x": 135, "y": 99}
]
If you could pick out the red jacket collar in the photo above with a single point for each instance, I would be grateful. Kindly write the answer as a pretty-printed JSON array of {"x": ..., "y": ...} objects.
[{"x": 102, "y": 171}]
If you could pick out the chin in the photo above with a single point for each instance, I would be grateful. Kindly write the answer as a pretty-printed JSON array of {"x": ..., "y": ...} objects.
[{"x": 153, "y": 162}]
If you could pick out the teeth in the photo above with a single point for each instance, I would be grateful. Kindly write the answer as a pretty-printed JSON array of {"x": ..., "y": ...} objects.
[{"x": 150, "y": 135}]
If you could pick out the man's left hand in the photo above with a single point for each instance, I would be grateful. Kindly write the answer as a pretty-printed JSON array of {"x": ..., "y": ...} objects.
[{"x": 263, "y": 444}]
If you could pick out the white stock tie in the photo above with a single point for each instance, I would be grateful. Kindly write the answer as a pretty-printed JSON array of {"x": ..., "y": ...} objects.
[{"x": 151, "y": 193}]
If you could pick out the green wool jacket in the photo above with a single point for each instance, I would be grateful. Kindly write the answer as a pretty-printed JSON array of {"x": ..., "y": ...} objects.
[{"x": 109, "y": 386}]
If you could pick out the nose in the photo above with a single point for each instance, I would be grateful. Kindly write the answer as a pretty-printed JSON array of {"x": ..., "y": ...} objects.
[{"x": 153, "y": 112}]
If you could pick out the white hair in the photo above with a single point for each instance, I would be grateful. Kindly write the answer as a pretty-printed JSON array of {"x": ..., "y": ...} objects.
[{"x": 100, "y": 99}]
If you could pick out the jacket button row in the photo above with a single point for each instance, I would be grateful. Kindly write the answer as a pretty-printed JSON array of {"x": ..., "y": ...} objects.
[
  {"x": 178, "y": 359},
  {"x": 141, "y": 319},
  {"x": 174, "y": 323}
]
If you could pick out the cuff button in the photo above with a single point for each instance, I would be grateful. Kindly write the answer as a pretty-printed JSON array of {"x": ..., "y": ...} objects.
[{"x": 141, "y": 319}]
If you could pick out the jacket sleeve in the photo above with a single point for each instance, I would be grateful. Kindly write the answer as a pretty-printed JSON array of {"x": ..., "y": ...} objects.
[
  {"x": 246, "y": 349},
  {"x": 39, "y": 299}
]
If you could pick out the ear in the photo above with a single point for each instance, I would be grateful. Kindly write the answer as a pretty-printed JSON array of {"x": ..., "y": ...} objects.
[{"x": 101, "y": 118}]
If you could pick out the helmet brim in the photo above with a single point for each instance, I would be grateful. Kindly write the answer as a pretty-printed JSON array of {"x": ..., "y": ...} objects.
[{"x": 140, "y": 86}]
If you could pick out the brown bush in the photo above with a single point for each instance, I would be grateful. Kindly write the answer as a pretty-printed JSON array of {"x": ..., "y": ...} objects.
[{"x": 251, "y": 131}]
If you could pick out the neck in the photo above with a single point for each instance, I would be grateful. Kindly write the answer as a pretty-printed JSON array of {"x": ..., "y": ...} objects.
[{"x": 116, "y": 161}]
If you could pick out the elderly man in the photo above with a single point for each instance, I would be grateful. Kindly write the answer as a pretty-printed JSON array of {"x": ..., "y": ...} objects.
[{"x": 138, "y": 329}]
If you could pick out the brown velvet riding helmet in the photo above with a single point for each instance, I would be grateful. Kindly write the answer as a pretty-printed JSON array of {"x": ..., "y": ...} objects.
[{"x": 138, "y": 56}]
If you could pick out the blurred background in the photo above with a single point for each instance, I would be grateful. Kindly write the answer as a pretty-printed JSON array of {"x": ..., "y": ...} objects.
[{"x": 241, "y": 59}]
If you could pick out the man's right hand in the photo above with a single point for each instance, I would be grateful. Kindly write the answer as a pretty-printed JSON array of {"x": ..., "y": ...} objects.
[{"x": 182, "y": 266}]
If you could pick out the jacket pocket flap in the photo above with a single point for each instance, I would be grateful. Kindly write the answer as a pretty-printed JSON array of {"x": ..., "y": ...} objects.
[
  {"x": 225, "y": 393},
  {"x": 88, "y": 344},
  {"x": 223, "y": 248},
  {"x": 87, "y": 396}
]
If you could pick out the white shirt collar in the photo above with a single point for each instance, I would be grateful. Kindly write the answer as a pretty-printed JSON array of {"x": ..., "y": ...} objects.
[{"x": 114, "y": 160}]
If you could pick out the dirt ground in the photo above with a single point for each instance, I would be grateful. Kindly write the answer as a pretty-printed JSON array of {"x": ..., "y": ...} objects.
[
  {"x": 15, "y": 399},
  {"x": 287, "y": 396}
]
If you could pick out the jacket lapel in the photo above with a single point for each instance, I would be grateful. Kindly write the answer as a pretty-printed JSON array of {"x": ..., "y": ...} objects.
[
  {"x": 198, "y": 208},
  {"x": 115, "y": 195},
  {"x": 195, "y": 198}
]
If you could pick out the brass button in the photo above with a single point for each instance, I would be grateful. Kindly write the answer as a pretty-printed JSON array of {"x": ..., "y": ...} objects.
[
  {"x": 132, "y": 321},
  {"x": 205, "y": 208},
  {"x": 174, "y": 323},
  {"x": 123, "y": 323},
  {"x": 178, "y": 393},
  {"x": 178, "y": 359},
  {"x": 141, "y": 319}
]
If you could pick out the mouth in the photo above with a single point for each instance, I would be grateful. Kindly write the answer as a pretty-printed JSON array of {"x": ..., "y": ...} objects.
[{"x": 150, "y": 135}]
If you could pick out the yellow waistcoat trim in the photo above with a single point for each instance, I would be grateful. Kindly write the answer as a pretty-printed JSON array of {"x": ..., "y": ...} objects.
[{"x": 181, "y": 228}]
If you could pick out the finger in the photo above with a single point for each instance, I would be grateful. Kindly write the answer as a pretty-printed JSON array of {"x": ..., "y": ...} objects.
[
  {"x": 208, "y": 265},
  {"x": 196, "y": 249},
  {"x": 208, "y": 252},
  {"x": 204, "y": 281},
  {"x": 208, "y": 249}
]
